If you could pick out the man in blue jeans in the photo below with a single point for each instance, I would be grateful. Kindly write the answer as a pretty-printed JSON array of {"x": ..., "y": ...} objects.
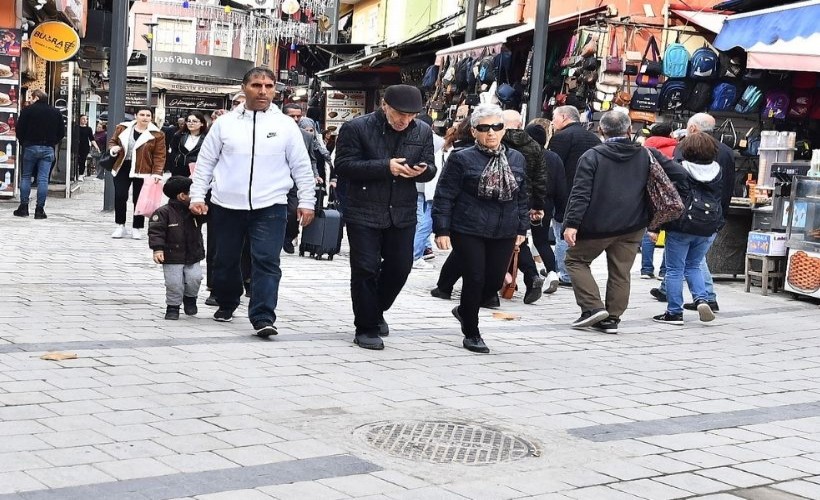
[
  {"x": 250, "y": 160},
  {"x": 39, "y": 128}
]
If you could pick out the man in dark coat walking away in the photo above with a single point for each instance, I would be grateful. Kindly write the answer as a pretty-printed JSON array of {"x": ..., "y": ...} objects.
[
  {"x": 381, "y": 156},
  {"x": 39, "y": 128}
]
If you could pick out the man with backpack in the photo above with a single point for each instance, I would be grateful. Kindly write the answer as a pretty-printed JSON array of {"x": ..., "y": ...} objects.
[{"x": 704, "y": 122}]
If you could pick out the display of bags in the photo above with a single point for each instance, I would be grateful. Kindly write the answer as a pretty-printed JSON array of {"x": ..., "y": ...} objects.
[
  {"x": 632, "y": 57},
  {"x": 777, "y": 104},
  {"x": 749, "y": 145},
  {"x": 614, "y": 62},
  {"x": 428, "y": 82},
  {"x": 800, "y": 103},
  {"x": 750, "y": 100},
  {"x": 699, "y": 97},
  {"x": 651, "y": 65},
  {"x": 727, "y": 134},
  {"x": 704, "y": 64},
  {"x": 673, "y": 96},
  {"x": 666, "y": 204},
  {"x": 675, "y": 60},
  {"x": 724, "y": 97},
  {"x": 569, "y": 56},
  {"x": 642, "y": 116},
  {"x": 645, "y": 99},
  {"x": 732, "y": 64}
]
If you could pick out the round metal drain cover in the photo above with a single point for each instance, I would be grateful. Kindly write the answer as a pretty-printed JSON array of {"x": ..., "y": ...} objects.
[{"x": 447, "y": 442}]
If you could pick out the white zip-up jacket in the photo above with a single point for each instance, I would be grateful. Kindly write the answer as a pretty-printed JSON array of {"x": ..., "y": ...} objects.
[{"x": 250, "y": 160}]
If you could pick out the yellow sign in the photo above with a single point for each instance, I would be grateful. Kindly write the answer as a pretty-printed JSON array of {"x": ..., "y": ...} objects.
[{"x": 54, "y": 41}]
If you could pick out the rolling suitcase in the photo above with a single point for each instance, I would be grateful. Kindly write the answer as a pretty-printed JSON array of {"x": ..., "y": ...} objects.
[{"x": 323, "y": 235}]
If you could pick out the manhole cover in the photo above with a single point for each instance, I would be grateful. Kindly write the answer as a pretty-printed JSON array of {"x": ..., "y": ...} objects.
[{"x": 447, "y": 442}]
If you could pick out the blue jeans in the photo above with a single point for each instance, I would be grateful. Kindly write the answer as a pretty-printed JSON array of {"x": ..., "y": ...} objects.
[
  {"x": 711, "y": 296},
  {"x": 265, "y": 229},
  {"x": 685, "y": 254},
  {"x": 648, "y": 257},
  {"x": 424, "y": 226},
  {"x": 560, "y": 251},
  {"x": 40, "y": 158}
]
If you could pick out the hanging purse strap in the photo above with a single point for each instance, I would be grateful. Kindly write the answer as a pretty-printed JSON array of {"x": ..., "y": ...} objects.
[
  {"x": 613, "y": 44},
  {"x": 651, "y": 47}
]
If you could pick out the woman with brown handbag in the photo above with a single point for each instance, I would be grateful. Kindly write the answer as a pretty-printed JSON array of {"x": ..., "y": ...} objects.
[{"x": 481, "y": 211}]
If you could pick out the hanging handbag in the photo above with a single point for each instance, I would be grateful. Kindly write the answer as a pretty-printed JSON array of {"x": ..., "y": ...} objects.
[
  {"x": 614, "y": 62},
  {"x": 749, "y": 145},
  {"x": 107, "y": 160},
  {"x": 664, "y": 200},
  {"x": 623, "y": 97},
  {"x": 651, "y": 65},
  {"x": 645, "y": 99},
  {"x": 727, "y": 134},
  {"x": 568, "y": 58},
  {"x": 508, "y": 289},
  {"x": 632, "y": 63},
  {"x": 642, "y": 116}
]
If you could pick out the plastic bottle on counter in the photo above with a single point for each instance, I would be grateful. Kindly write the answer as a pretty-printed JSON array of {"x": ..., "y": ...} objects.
[{"x": 814, "y": 171}]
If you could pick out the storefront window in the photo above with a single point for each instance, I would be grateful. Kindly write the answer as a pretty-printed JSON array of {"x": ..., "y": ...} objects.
[
  {"x": 221, "y": 40},
  {"x": 175, "y": 35}
]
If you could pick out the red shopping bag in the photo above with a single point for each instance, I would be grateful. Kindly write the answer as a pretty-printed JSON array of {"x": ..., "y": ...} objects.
[{"x": 150, "y": 198}]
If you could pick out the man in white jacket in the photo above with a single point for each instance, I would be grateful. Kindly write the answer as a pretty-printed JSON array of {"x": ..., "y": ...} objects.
[{"x": 250, "y": 159}]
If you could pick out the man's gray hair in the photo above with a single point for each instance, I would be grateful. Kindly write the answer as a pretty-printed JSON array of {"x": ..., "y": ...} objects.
[
  {"x": 485, "y": 111},
  {"x": 703, "y": 122},
  {"x": 571, "y": 113},
  {"x": 615, "y": 124}
]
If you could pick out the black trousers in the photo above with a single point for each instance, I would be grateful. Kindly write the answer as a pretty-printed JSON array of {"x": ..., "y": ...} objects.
[
  {"x": 82, "y": 158},
  {"x": 122, "y": 182},
  {"x": 292, "y": 228},
  {"x": 484, "y": 263},
  {"x": 380, "y": 261}
]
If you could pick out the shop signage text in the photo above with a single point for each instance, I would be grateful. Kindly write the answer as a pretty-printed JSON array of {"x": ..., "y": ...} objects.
[
  {"x": 54, "y": 41},
  {"x": 194, "y": 102},
  {"x": 200, "y": 65}
]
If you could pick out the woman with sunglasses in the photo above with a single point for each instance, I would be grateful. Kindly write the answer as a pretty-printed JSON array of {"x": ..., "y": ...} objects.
[
  {"x": 185, "y": 145},
  {"x": 481, "y": 211}
]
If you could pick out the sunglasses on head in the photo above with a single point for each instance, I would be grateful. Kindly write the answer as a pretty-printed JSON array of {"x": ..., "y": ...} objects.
[{"x": 485, "y": 127}]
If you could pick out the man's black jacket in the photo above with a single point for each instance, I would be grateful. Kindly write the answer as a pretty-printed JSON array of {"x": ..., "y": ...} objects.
[
  {"x": 374, "y": 197},
  {"x": 570, "y": 143},
  {"x": 537, "y": 178},
  {"x": 40, "y": 125},
  {"x": 177, "y": 232}
]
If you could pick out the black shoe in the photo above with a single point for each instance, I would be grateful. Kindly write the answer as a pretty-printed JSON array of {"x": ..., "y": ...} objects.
[
  {"x": 440, "y": 294},
  {"x": 367, "y": 342},
  {"x": 492, "y": 303},
  {"x": 265, "y": 329},
  {"x": 669, "y": 319},
  {"x": 189, "y": 306},
  {"x": 288, "y": 247},
  {"x": 713, "y": 305},
  {"x": 609, "y": 325},
  {"x": 543, "y": 272},
  {"x": 428, "y": 254},
  {"x": 22, "y": 211},
  {"x": 589, "y": 318},
  {"x": 457, "y": 315},
  {"x": 534, "y": 292},
  {"x": 211, "y": 300},
  {"x": 223, "y": 315},
  {"x": 705, "y": 312},
  {"x": 658, "y": 294},
  {"x": 475, "y": 344},
  {"x": 563, "y": 283},
  {"x": 247, "y": 285},
  {"x": 384, "y": 330},
  {"x": 172, "y": 312},
  {"x": 39, "y": 213}
]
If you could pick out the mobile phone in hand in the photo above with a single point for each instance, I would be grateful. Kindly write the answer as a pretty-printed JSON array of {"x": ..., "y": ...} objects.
[{"x": 421, "y": 166}]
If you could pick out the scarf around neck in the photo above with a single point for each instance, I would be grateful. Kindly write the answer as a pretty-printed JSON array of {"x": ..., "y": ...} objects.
[{"x": 497, "y": 181}]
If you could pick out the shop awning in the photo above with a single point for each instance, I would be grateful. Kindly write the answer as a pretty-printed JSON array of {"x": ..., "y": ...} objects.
[
  {"x": 710, "y": 21},
  {"x": 193, "y": 87},
  {"x": 781, "y": 38},
  {"x": 495, "y": 40}
]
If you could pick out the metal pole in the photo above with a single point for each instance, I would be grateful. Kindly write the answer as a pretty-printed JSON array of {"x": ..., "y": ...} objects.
[
  {"x": 539, "y": 57},
  {"x": 116, "y": 81},
  {"x": 333, "y": 15},
  {"x": 472, "y": 19},
  {"x": 150, "y": 68}
]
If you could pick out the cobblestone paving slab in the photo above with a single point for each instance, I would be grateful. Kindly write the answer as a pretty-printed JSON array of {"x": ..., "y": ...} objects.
[{"x": 201, "y": 483}]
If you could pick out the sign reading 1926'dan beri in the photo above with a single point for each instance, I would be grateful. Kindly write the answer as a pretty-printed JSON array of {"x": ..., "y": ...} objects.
[{"x": 54, "y": 41}]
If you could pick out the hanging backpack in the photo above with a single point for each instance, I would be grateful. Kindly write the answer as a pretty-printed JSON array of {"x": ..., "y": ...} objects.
[
  {"x": 673, "y": 95},
  {"x": 675, "y": 60},
  {"x": 428, "y": 82},
  {"x": 750, "y": 100},
  {"x": 704, "y": 64},
  {"x": 463, "y": 69},
  {"x": 777, "y": 104},
  {"x": 804, "y": 80},
  {"x": 508, "y": 96},
  {"x": 732, "y": 64},
  {"x": 700, "y": 97},
  {"x": 486, "y": 74},
  {"x": 501, "y": 66},
  {"x": 801, "y": 102},
  {"x": 724, "y": 97}
]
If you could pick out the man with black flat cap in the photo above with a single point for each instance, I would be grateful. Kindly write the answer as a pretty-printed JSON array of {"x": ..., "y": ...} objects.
[{"x": 381, "y": 156}]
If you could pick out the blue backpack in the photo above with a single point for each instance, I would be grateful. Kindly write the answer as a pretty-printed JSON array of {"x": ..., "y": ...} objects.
[
  {"x": 675, "y": 61},
  {"x": 501, "y": 66},
  {"x": 724, "y": 97},
  {"x": 704, "y": 64},
  {"x": 430, "y": 77},
  {"x": 673, "y": 95},
  {"x": 750, "y": 100}
]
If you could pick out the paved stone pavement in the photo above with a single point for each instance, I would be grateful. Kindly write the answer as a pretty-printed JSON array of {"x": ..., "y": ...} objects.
[{"x": 154, "y": 409}]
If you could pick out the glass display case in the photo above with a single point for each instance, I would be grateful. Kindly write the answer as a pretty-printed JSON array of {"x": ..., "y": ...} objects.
[{"x": 803, "y": 267}]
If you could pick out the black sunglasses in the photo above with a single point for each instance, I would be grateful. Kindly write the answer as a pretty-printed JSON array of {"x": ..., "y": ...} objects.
[{"x": 485, "y": 127}]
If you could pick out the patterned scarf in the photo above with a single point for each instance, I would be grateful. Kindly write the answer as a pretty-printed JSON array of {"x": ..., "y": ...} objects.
[{"x": 497, "y": 181}]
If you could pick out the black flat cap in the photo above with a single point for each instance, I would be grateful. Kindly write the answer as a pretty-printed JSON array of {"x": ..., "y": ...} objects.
[
  {"x": 175, "y": 185},
  {"x": 404, "y": 98}
]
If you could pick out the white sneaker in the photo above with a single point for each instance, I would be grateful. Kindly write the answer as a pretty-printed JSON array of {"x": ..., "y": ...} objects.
[
  {"x": 136, "y": 234},
  {"x": 420, "y": 264},
  {"x": 80, "y": 178},
  {"x": 119, "y": 232},
  {"x": 552, "y": 282}
]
